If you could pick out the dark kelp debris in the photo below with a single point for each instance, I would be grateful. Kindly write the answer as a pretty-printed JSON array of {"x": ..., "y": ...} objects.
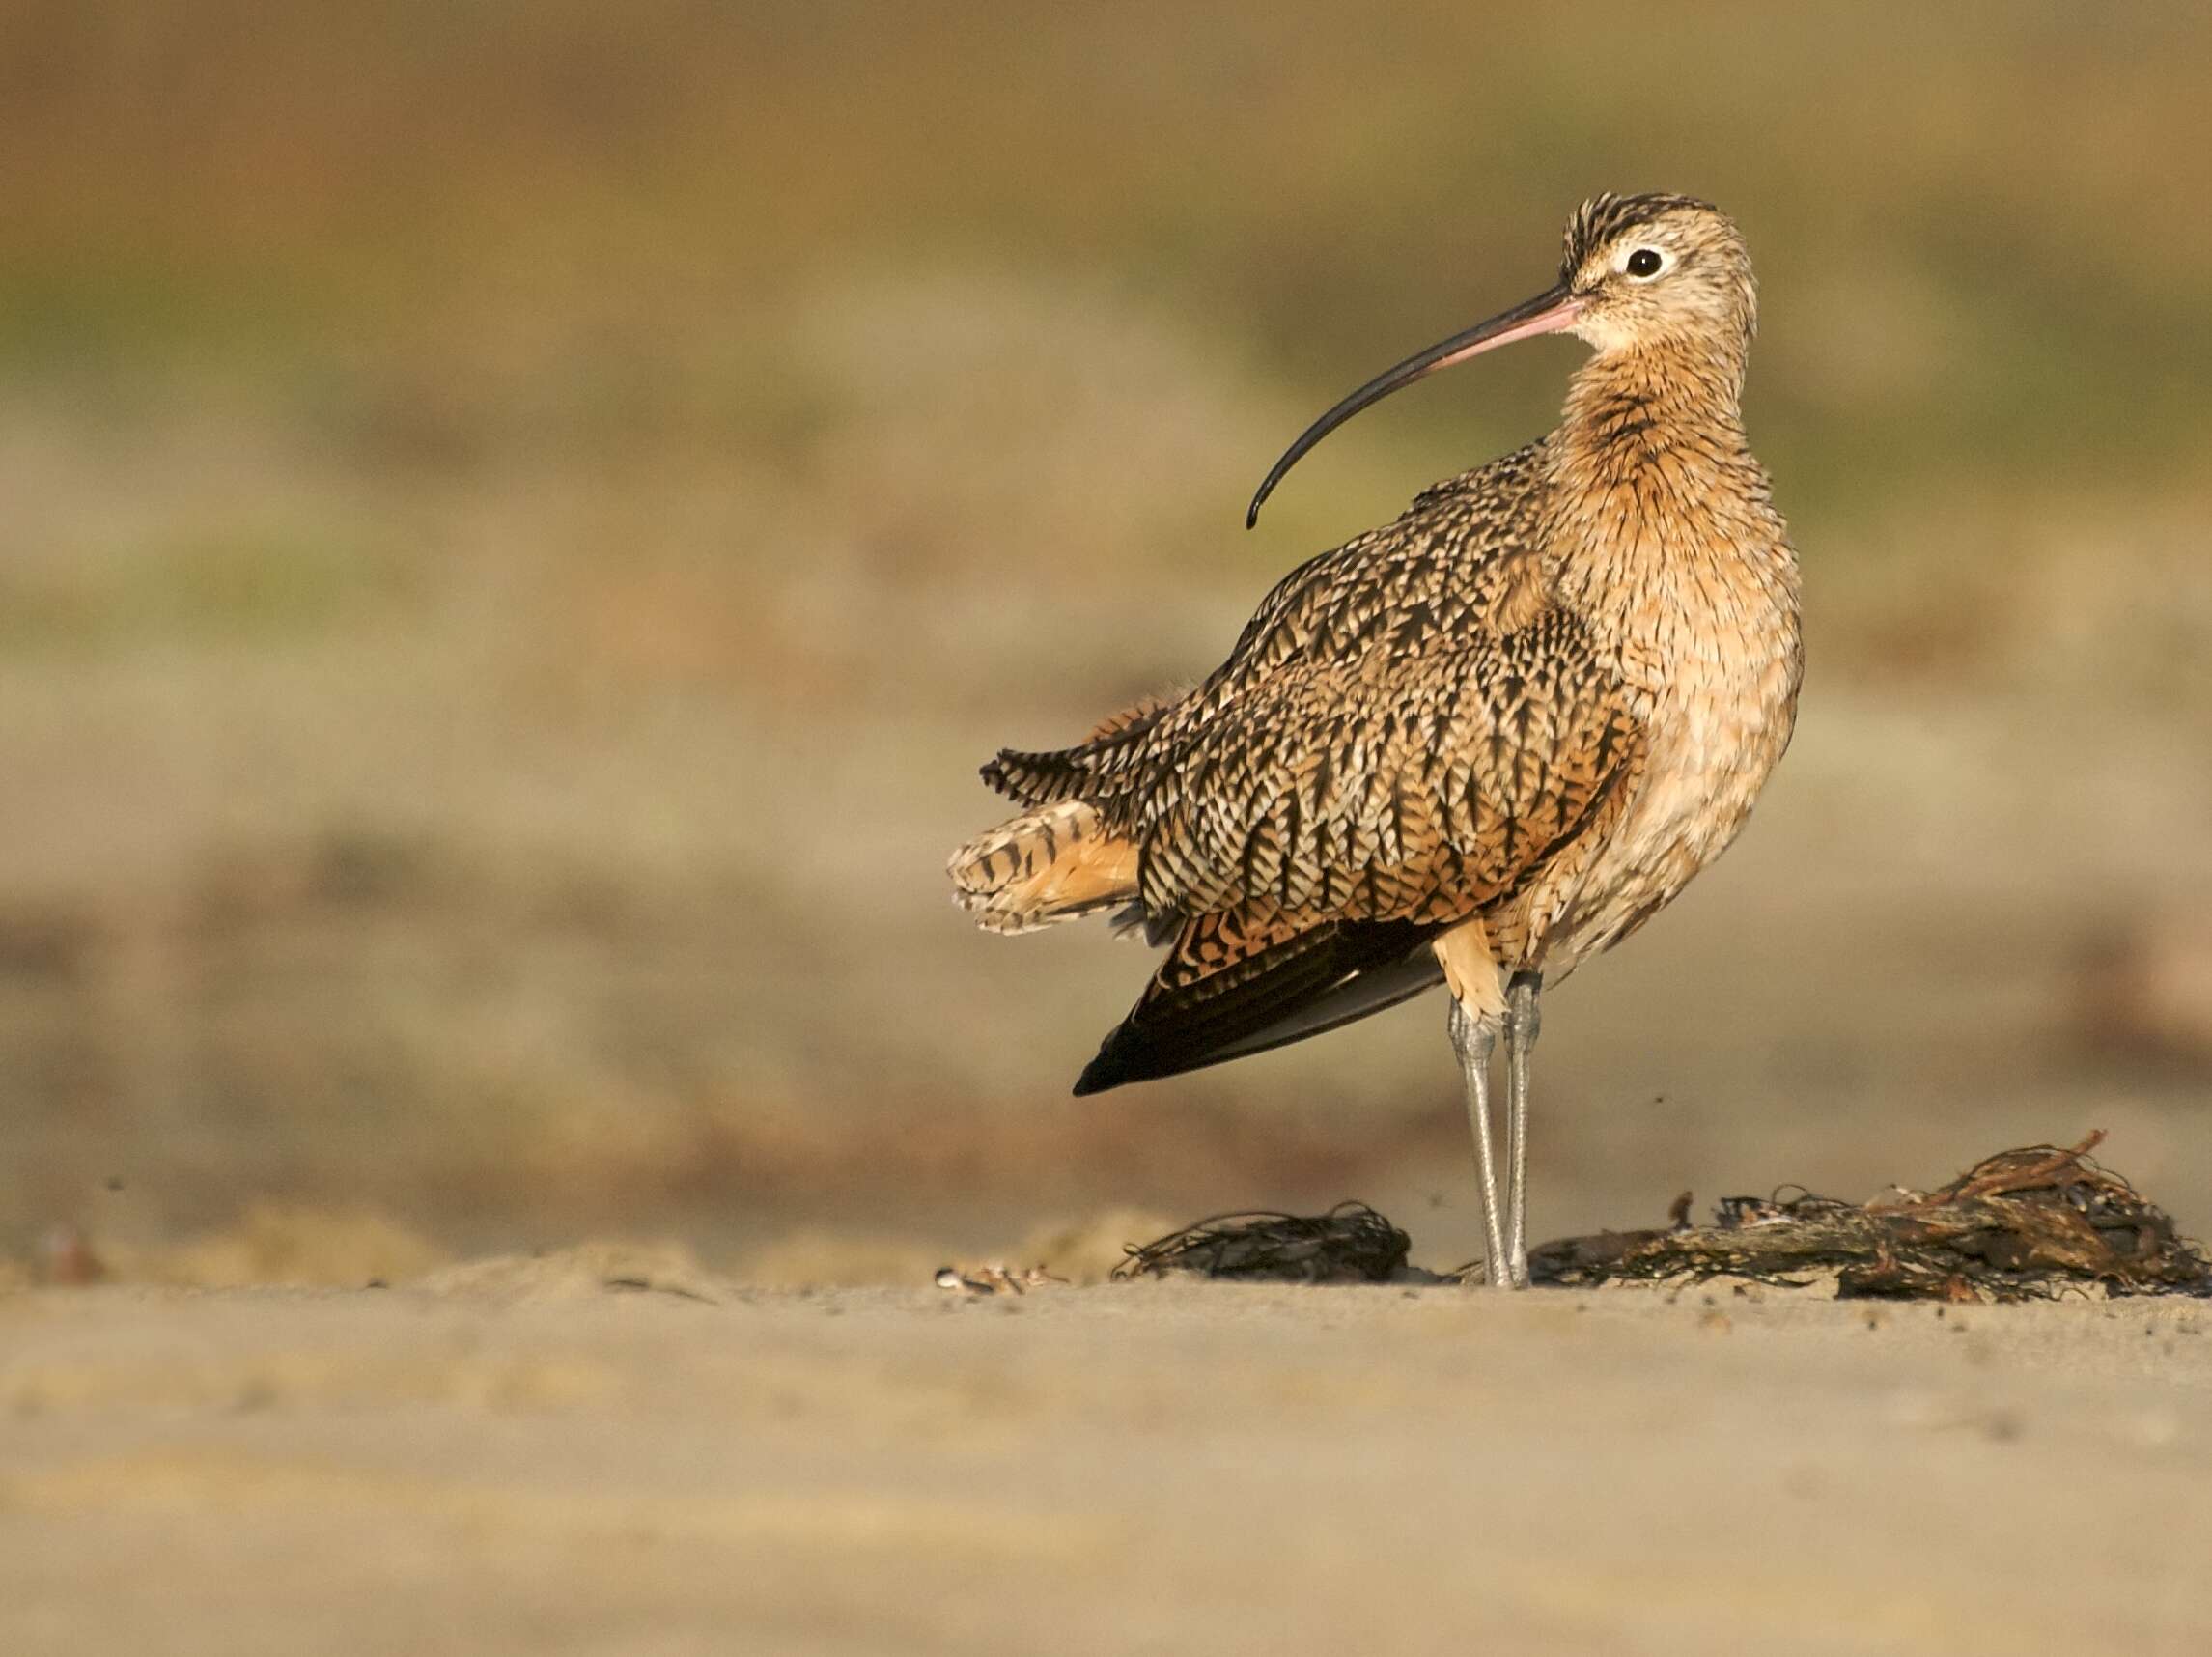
[
  {"x": 2024, "y": 1225},
  {"x": 1350, "y": 1244}
]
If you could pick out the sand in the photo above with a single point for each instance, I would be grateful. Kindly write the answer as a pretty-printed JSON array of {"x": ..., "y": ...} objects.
[{"x": 510, "y": 1457}]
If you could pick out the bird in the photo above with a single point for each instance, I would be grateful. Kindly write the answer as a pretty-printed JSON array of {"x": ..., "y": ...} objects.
[{"x": 1473, "y": 747}]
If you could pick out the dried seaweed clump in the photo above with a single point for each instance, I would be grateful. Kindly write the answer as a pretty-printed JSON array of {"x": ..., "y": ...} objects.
[
  {"x": 2023, "y": 1224},
  {"x": 1350, "y": 1244}
]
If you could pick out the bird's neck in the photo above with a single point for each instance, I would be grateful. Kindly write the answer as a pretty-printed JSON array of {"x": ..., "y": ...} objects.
[
  {"x": 1627, "y": 407},
  {"x": 1658, "y": 513}
]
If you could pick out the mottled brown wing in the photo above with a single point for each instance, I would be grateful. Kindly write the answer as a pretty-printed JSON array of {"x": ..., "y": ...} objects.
[
  {"x": 1404, "y": 734},
  {"x": 1422, "y": 786},
  {"x": 1316, "y": 835}
]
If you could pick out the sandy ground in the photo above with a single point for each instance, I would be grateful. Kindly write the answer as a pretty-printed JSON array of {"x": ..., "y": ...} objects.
[{"x": 512, "y": 1457}]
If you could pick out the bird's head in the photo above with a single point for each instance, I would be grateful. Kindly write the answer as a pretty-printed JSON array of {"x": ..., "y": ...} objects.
[
  {"x": 1642, "y": 269},
  {"x": 1638, "y": 271}
]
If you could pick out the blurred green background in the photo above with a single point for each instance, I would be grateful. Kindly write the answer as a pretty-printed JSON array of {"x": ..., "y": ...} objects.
[{"x": 520, "y": 520}]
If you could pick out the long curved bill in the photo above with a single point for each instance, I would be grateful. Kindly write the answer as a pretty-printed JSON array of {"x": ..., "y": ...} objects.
[{"x": 1549, "y": 313}]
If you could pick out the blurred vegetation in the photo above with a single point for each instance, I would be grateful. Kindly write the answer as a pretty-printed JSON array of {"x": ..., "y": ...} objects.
[
  {"x": 1968, "y": 217},
  {"x": 521, "y": 518}
]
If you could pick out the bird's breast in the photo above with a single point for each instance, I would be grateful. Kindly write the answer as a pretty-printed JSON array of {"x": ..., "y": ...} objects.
[{"x": 1712, "y": 670}]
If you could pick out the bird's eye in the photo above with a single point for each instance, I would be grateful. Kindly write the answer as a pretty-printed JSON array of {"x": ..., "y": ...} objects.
[{"x": 1644, "y": 261}]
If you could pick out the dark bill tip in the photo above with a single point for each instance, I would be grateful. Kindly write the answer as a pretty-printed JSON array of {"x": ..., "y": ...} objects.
[{"x": 1547, "y": 313}]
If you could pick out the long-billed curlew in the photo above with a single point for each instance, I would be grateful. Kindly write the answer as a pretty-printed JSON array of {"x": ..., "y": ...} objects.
[{"x": 1473, "y": 746}]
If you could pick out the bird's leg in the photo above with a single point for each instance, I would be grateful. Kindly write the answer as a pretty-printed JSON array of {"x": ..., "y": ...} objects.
[
  {"x": 1474, "y": 1035},
  {"x": 1521, "y": 1023}
]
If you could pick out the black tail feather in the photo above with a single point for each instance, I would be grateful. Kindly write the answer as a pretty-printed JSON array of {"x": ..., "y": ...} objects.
[{"x": 1314, "y": 982}]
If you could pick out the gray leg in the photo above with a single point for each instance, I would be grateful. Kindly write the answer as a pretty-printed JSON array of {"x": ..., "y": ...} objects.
[
  {"x": 1521, "y": 1023},
  {"x": 1473, "y": 1037}
]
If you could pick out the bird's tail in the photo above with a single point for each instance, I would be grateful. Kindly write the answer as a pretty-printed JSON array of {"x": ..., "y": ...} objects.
[{"x": 1052, "y": 865}]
